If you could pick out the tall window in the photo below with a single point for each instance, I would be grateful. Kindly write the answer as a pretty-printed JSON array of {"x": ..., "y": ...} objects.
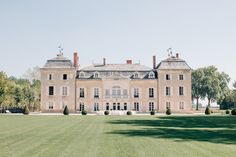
[
  {"x": 107, "y": 106},
  {"x": 64, "y": 76},
  {"x": 136, "y": 92},
  {"x": 64, "y": 91},
  {"x": 167, "y": 91},
  {"x": 125, "y": 106},
  {"x": 151, "y": 92},
  {"x": 168, "y": 105},
  {"x": 151, "y": 75},
  {"x": 151, "y": 106},
  {"x": 51, "y": 90},
  {"x": 125, "y": 93},
  {"x": 114, "y": 106},
  {"x": 96, "y": 106},
  {"x": 96, "y": 75},
  {"x": 118, "y": 106},
  {"x": 107, "y": 93},
  {"x": 136, "y": 75},
  {"x": 181, "y": 105},
  {"x": 181, "y": 91},
  {"x": 181, "y": 77},
  {"x": 96, "y": 93},
  {"x": 81, "y": 92},
  {"x": 167, "y": 77},
  {"x": 50, "y": 77},
  {"x": 136, "y": 106},
  {"x": 81, "y": 106},
  {"x": 50, "y": 105}
]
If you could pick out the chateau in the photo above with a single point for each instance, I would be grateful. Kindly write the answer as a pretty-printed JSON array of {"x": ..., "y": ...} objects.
[{"x": 127, "y": 86}]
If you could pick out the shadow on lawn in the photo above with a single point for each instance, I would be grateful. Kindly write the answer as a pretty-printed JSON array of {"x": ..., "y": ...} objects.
[{"x": 215, "y": 129}]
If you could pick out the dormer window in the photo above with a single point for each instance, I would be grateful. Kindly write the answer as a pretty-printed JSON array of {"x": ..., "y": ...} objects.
[
  {"x": 167, "y": 77},
  {"x": 50, "y": 77},
  {"x": 64, "y": 76},
  {"x": 136, "y": 75},
  {"x": 81, "y": 74},
  {"x": 96, "y": 75},
  {"x": 151, "y": 75}
]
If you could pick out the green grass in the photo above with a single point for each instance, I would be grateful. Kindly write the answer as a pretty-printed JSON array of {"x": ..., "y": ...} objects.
[{"x": 121, "y": 136}]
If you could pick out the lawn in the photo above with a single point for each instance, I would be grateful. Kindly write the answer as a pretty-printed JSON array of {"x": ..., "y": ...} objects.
[{"x": 121, "y": 136}]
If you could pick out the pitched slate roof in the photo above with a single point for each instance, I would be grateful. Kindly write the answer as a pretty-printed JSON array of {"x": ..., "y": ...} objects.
[
  {"x": 173, "y": 63},
  {"x": 116, "y": 67},
  {"x": 58, "y": 62}
]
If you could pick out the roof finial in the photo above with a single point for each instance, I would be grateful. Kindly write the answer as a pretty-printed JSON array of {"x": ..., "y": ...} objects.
[
  {"x": 60, "y": 51},
  {"x": 169, "y": 50}
]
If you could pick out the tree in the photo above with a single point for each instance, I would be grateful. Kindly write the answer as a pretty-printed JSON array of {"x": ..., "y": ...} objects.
[
  {"x": 197, "y": 85},
  {"x": 234, "y": 84},
  {"x": 26, "y": 110},
  {"x": 66, "y": 111}
]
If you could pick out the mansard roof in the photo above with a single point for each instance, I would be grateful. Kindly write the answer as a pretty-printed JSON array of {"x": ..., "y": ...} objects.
[
  {"x": 59, "y": 62},
  {"x": 116, "y": 67},
  {"x": 173, "y": 63}
]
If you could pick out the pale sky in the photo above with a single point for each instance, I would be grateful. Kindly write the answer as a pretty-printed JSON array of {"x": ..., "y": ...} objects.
[{"x": 202, "y": 31}]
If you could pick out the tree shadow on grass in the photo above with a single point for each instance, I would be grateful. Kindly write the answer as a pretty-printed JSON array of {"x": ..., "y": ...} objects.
[{"x": 215, "y": 129}]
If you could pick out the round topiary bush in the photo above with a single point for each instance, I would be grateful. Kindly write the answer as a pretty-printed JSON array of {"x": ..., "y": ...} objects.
[
  {"x": 66, "y": 111},
  {"x": 84, "y": 112},
  {"x": 152, "y": 113},
  {"x": 129, "y": 113},
  {"x": 106, "y": 112},
  {"x": 26, "y": 110},
  {"x": 227, "y": 111},
  {"x": 168, "y": 111},
  {"x": 233, "y": 112},
  {"x": 207, "y": 111}
]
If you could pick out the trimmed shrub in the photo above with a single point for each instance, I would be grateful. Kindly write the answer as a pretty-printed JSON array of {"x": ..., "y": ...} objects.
[
  {"x": 26, "y": 110},
  {"x": 152, "y": 113},
  {"x": 227, "y": 111},
  {"x": 66, "y": 111},
  {"x": 84, "y": 112},
  {"x": 129, "y": 113},
  {"x": 233, "y": 112},
  {"x": 106, "y": 112},
  {"x": 207, "y": 111},
  {"x": 168, "y": 111}
]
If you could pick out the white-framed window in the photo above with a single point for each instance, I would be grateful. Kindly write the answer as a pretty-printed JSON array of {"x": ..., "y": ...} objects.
[
  {"x": 118, "y": 106},
  {"x": 168, "y": 105},
  {"x": 151, "y": 75},
  {"x": 181, "y": 91},
  {"x": 81, "y": 106},
  {"x": 81, "y": 75},
  {"x": 50, "y": 105},
  {"x": 96, "y": 106},
  {"x": 96, "y": 93},
  {"x": 114, "y": 106},
  {"x": 49, "y": 76},
  {"x": 96, "y": 74},
  {"x": 151, "y": 106},
  {"x": 51, "y": 90},
  {"x": 151, "y": 92},
  {"x": 168, "y": 77},
  {"x": 81, "y": 92},
  {"x": 64, "y": 91},
  {"x": 125, "y": 106},
  {"x": 181, "y": 105},
  {"x": 107, "y": 106},
  {"x": 136, "y": 92},
  {"x": 167, "y": 91},
  {"x": 136, "y": 106},
  {"x": 181, "y": 77},
  {"x": 136, "y": 75},
  {"x": 65, "y": 77}
]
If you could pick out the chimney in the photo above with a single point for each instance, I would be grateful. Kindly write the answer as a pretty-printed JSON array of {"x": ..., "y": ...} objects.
[
  {"x": 177, "y": 55},
  {"x": 76, "y": 59},
  {"x": 104, "y": 61},
  {"x": 129, "y": 61},
  {"x": 154, "y": 62}
]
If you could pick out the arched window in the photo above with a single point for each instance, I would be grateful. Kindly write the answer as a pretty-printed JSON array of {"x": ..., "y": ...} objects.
[
  {"x": 151, "y": 75},
  {"x": 81, "y": 74},
  {"x": 136, "y": 75},
  {"x": 96, "y": 74}
]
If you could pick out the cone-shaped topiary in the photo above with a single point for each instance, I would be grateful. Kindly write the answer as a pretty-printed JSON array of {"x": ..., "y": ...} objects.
[
  {"x": 168, "y": 111},
  {"x": 227, "y": 111},
  {"x": 66, "y": 111},
  {"x": 106, "y": 112},
  {"x": 26, "y": 110},
  {"x": 129, "y": 113},
  {"x": 152, "y": 113},
  {"x": 233, "y": 112},
  {"x": 84, "y": 112},
  {"x": 207, "y": 111}
]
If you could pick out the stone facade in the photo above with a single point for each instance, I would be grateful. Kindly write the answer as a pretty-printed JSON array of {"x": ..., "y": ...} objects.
[{"x": 127, "y": 86}]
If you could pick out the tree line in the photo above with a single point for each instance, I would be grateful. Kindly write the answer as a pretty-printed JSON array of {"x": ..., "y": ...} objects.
[
  {"x": 15, "y": 93},
  {"x": 208, "y": 83}
]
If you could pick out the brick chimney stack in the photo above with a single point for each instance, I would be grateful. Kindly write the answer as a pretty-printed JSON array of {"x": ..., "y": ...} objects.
[
  {"x": 129, "y": 61},
  {"x": 154, "y": 62},
  {"x": 104, "y": 61},
  {"x": 177, "y": 55},
  {"x": 76, "y": 59}
]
